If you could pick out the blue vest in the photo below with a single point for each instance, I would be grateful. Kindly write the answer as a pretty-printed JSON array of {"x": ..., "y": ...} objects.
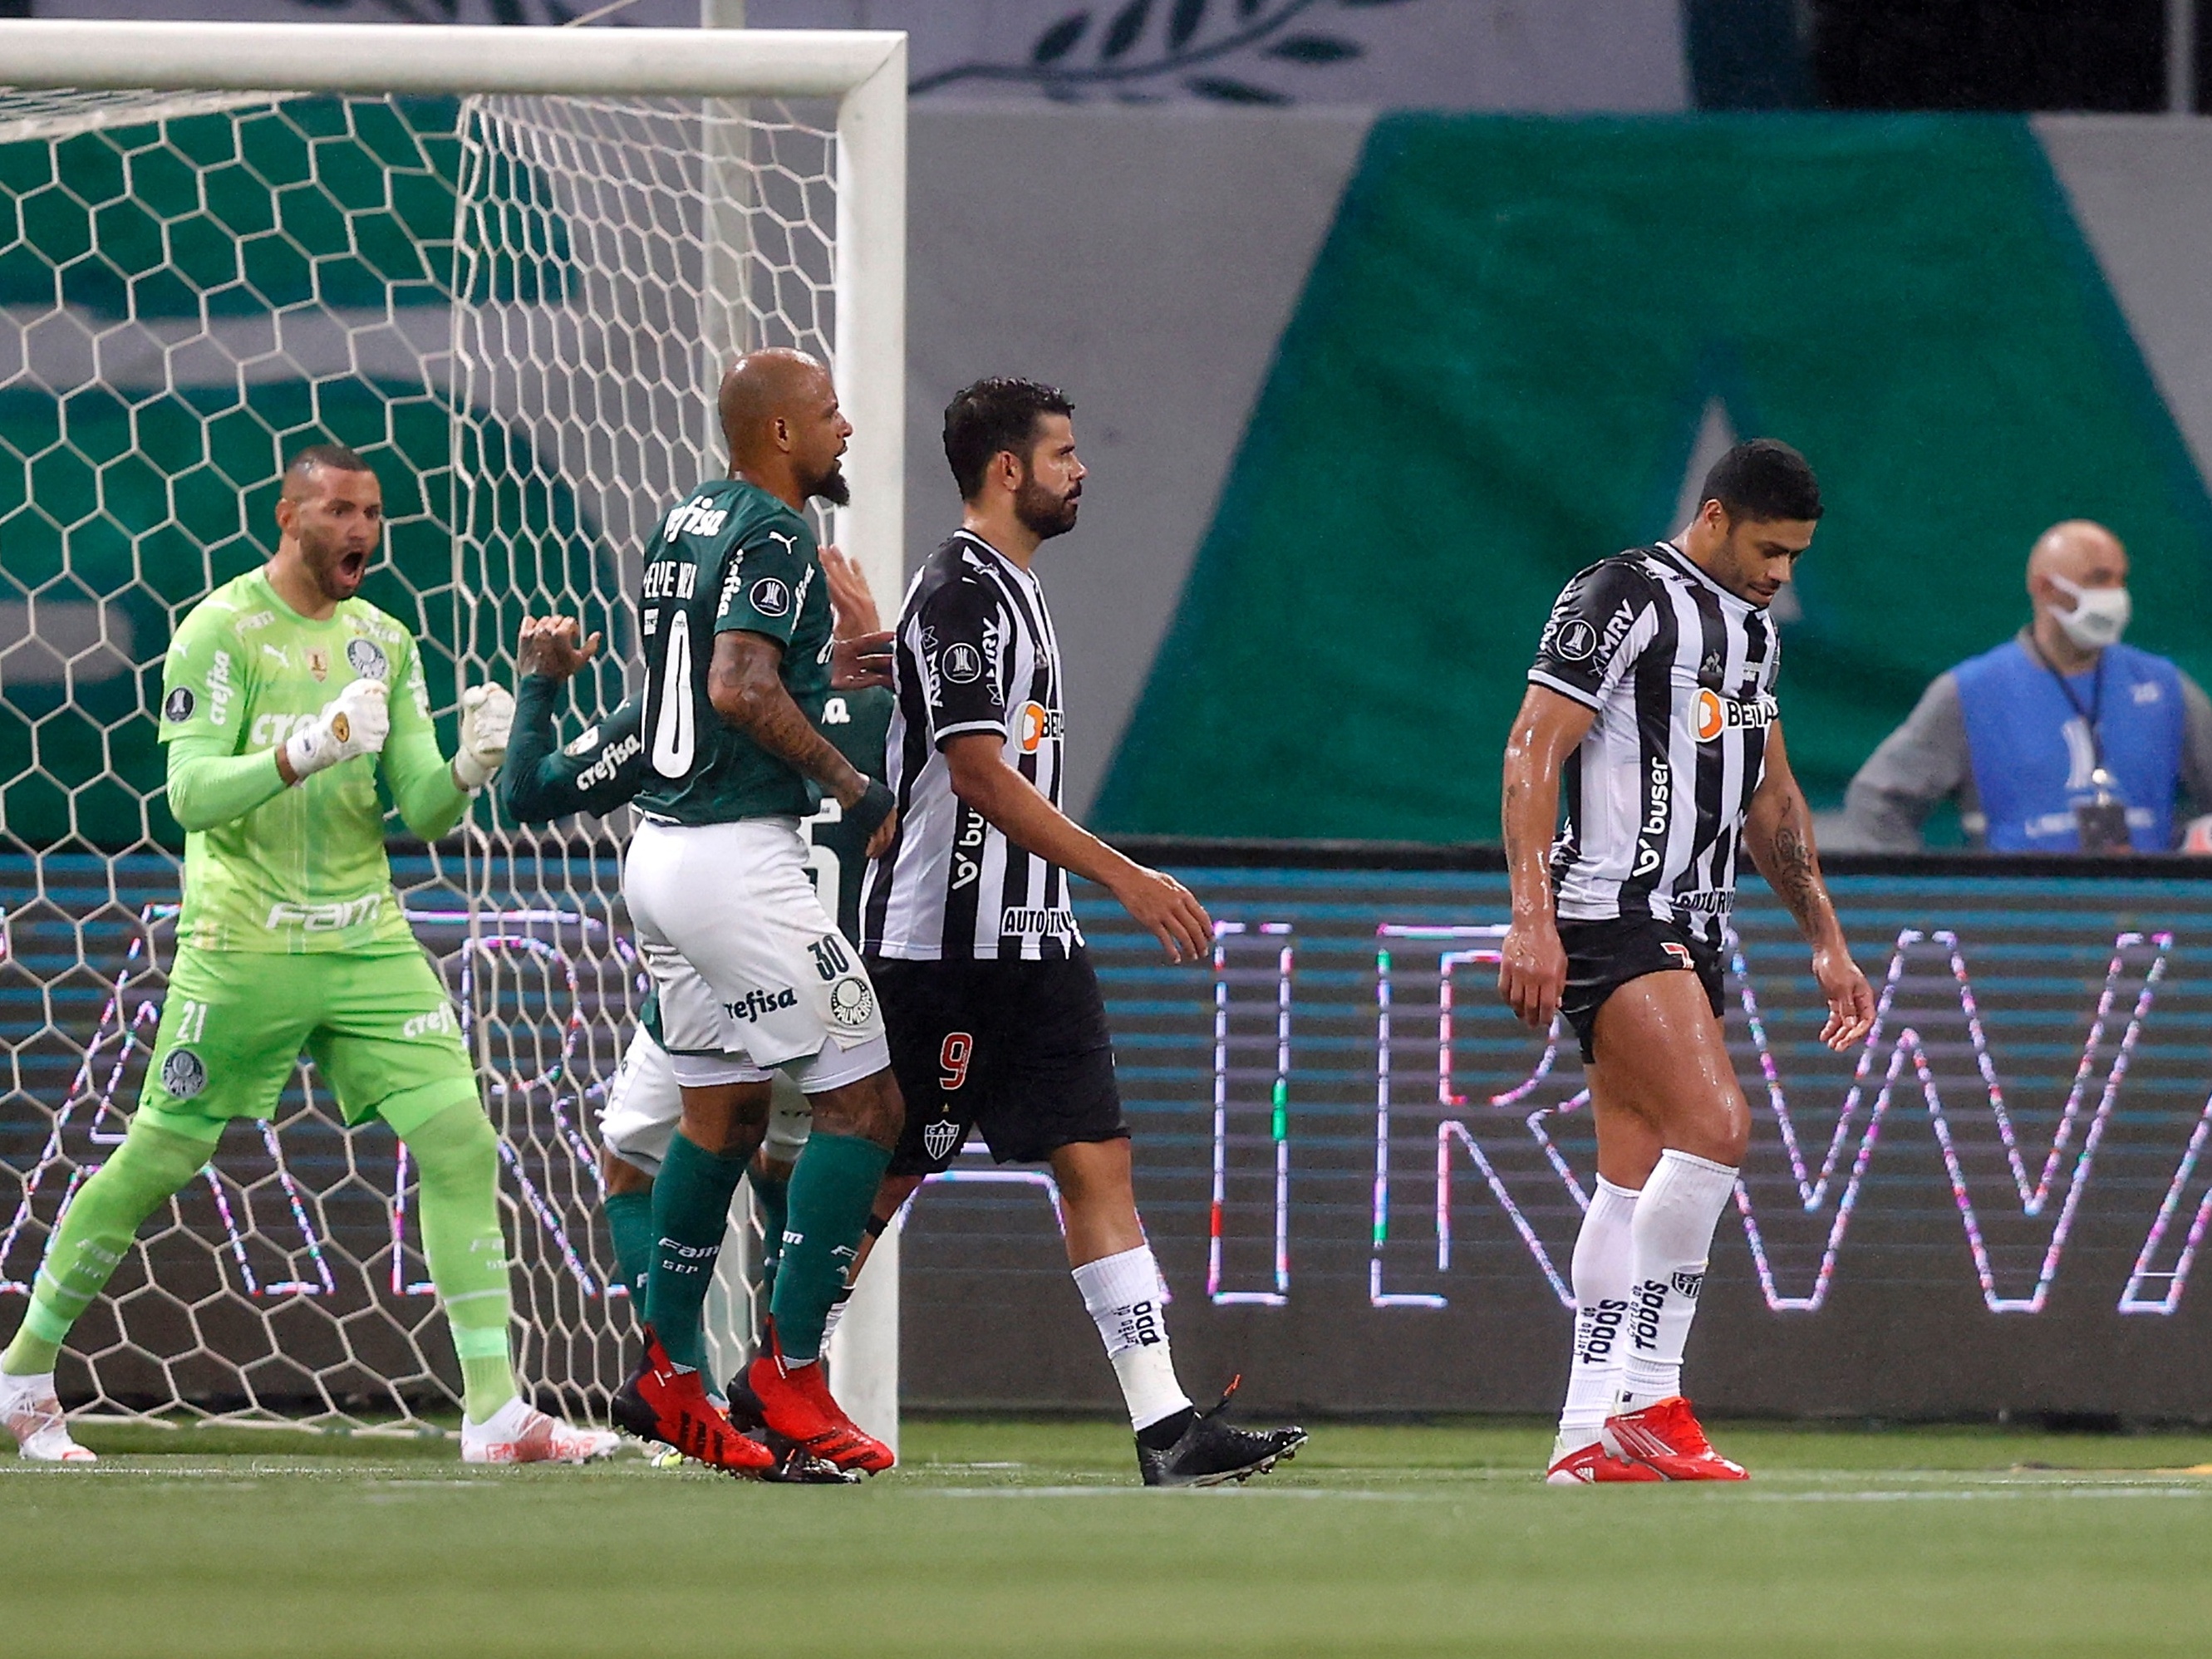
[{"x": 2032, "y": 753}]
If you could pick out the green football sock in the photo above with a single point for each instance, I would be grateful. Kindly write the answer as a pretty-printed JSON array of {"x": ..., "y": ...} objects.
[
  {"x": 90, "y": 1244},
  {"x": 774, "y": 1192},
  {"x": 691, "y": 1212},
  {"x": 629, "y": 1220},
  {"x": 457, "y": 1166},
  {"x": 833, "y": 1189}
]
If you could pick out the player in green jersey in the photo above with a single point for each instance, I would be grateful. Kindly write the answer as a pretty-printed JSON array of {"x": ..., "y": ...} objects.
[
  {"x": 753, "y": 975},
  {"x": 603, "y": 769},
  {"x": 286, "y": 700}
]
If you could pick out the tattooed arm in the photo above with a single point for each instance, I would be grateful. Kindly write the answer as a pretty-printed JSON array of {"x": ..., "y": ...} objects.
[
  {"x": 745, "y": 685},
  {"x": 1778, "y": 833}
]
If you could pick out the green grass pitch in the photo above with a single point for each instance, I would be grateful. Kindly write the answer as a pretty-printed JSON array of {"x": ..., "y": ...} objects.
[{"x": 1030, "y": 1539}]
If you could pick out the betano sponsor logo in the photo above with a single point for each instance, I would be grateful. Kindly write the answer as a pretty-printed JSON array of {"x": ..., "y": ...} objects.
[
  {"x": 1712, "y": 714},
  {"x": 1035, "y": 725}
]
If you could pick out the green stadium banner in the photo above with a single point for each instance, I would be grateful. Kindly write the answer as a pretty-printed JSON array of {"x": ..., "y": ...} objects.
[{"x": 1497, "y": 376}]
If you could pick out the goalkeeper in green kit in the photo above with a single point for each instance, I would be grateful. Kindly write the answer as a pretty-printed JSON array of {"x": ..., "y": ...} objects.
[{"x": 285, "y": 701}]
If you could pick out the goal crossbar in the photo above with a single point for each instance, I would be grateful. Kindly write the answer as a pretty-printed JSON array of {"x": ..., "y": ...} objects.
[{"x": 375, "y": 57}]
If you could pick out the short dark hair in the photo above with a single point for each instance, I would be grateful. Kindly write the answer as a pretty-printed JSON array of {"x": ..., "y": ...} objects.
[
  {"x": 994, "y": 415},
  {"x": 1764, "y": 480},
  {"x": 336, "y": 456}
]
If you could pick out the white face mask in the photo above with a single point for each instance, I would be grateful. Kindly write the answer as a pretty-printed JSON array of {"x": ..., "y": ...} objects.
[{"x": 2099, "y": 617}]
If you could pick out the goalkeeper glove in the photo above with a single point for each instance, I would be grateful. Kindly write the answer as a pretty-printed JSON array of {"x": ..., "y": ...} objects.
[
  {"x": 486, "y": 717},
  {"x": 353, "y": 722}
]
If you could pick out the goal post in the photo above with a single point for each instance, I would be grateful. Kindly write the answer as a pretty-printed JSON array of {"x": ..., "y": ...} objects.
[{"x": 508, "y": 264}]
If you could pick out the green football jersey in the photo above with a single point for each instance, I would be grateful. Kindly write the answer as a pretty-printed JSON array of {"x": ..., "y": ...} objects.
[
  {"x": 857, "y": 722},
  {"x": 730, "y": 556},
  {"x": 306, "y": 871}
]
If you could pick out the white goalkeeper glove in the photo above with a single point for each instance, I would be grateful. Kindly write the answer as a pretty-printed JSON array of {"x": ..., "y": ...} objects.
[
  {"x": 486, "y": 717},
  {"x": 353, "y": 722}
]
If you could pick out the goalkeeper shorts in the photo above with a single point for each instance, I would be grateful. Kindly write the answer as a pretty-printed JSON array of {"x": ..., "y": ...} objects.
[{"x": 380, "y": 1029}]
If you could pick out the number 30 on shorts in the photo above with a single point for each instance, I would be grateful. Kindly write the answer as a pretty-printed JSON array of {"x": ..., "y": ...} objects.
[{"x": 953, "y": 1059}]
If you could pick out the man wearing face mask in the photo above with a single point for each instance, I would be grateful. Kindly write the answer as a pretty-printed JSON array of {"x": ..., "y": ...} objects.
[{"x": 2060, "y": 740}]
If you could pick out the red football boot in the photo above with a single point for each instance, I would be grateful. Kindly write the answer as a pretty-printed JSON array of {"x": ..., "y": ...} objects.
[
  {"x": 663, "y": 1402},
  {"x": 795, "y": 1403},
  {"x": 1665, "y": 1437},
  {"x": 1592, "y": 1465}
]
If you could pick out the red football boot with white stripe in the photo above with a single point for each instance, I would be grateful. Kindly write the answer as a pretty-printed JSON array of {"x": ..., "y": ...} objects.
[
  {"x": 1664, "y": 1437},
  {"x": 1592, "y": 1465}
]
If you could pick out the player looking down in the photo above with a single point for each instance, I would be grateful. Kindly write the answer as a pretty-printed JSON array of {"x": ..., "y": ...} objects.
[
  {"x": 286, "y": 700},
  {"x": 1653, "y": 696},
  {"x": 995, "y": 1016},
  {"x": 752, "y": 974}
]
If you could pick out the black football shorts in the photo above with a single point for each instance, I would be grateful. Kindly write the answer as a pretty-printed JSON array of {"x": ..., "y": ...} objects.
[
  {"x": 1018, "y": 1050},
  {"x": 1604, "y": 955}
]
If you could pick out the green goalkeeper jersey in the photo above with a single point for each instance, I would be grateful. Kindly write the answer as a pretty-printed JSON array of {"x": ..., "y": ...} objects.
[{"x": 305, "y": 869}]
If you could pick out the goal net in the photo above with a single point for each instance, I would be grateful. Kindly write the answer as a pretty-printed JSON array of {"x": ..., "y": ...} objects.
[{"x": 515, "y": 300}]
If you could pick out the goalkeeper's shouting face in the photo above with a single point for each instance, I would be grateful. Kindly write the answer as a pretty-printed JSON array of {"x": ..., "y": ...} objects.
[{"x": 333, "y": 514}]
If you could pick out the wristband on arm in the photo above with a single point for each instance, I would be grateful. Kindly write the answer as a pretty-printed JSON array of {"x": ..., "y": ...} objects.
[{"x": 867, "y": 814}]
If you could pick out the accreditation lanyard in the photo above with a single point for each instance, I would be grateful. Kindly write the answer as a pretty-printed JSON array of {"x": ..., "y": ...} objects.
[{"x": 2094, "y": 713}]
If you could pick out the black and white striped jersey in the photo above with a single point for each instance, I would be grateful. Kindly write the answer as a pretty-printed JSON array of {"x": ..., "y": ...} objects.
[
  {"x": 1681, "y": 673},
  {"x": 975, "y": 652}
]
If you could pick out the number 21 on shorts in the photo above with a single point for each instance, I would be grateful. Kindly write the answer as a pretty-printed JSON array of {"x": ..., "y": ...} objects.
[
  {"x": 953, "y": 1059},
  {"x": 191, "y": 1020}
]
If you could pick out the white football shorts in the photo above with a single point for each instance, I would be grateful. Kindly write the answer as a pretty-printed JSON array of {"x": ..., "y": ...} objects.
[
  {"x": 749, "y": 965},
  {"x": 644, "y": 1102}
]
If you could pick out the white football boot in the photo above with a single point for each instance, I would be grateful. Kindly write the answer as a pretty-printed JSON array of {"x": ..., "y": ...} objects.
[
  {"x": 33, "y": 1416},
  {"x": 519, "y": 1433}
]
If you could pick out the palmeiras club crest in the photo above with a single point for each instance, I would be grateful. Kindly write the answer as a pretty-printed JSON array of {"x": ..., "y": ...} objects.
[
  {"x": 367, "y": 659},
  {"x": 183, "y": 1075},
  {"x": 852, "y": 1004}
]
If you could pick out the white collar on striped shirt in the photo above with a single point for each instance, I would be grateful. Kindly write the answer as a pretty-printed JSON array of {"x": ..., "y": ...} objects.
[
  {"x": 977, "y": 542},
  {"x": 1689, "y": 567}
]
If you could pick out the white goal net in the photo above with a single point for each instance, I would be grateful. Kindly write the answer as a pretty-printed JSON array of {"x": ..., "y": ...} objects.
[{"x": 516, "y": 305}]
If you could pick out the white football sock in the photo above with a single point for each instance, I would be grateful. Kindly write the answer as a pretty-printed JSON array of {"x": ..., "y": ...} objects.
[
  {"x": 1673, "y": 1235},
  {"x": 1123, "y": 1295},
  {"x": 1601, "y": 1270}
]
